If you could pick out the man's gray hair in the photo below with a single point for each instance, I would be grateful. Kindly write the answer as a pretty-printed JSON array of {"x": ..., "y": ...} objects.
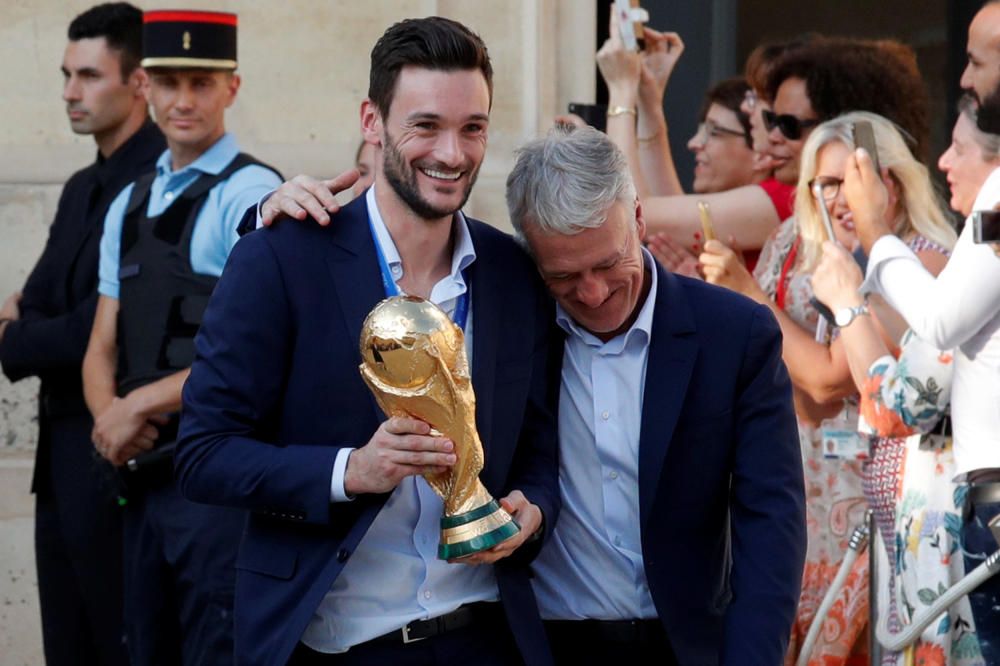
[
  {"x": 989, "y": 144},
  {"x": 566, "y": 181}
]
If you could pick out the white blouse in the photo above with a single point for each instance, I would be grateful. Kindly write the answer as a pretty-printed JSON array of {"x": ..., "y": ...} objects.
[{"x": 959, "y": 309}]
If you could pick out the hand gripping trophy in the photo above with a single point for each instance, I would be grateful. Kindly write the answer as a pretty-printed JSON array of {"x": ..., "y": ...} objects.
[{"x": 413, "y": 360}]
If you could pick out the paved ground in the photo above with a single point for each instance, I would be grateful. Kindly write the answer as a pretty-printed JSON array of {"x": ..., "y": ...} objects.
[{"x": 20, "y": 630}]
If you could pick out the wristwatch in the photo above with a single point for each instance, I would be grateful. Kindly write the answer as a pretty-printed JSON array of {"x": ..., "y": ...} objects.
[{"x": 844, "y": 316}]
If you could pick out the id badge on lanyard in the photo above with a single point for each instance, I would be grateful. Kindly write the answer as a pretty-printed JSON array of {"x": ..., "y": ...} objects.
[{"x": 842, "y": 441}]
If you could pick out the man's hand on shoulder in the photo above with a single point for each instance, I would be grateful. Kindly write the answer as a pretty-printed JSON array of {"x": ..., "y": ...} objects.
[
  {"x": 529, "y": 519},
  {"x": 304, "y": 196},
  {"x": 401, "y": 447}
]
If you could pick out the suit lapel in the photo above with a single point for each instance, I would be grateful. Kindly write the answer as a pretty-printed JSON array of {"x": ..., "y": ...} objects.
[
  {"x": 354, "y": 271},
  {"x": 673, "y": 349},
  {"x": 134, "y": 158},
  {"x": 92, "y": 223},
  {"x": 486, "y": 298}
]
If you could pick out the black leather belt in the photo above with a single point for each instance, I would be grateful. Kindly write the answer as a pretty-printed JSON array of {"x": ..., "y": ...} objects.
[
  {"x": 984, "y": 493},
  {"x": 459, "y": 618},
  {"x": 610, "y": 631}
]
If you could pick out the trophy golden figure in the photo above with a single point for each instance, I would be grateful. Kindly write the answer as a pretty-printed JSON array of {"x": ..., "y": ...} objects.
[{"x": 414, "y": 361}]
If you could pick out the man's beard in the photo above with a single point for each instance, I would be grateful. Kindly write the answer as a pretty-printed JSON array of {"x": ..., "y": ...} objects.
[
  {"x": 403, "y": 179},
  {"x": 988, "y": 114}
]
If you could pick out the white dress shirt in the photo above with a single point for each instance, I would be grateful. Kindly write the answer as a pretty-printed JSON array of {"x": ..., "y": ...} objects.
[
  {"x": 591, "y": 567},
  {"x": 394, "y": 576},
  {"x": 960, "y": 309}
]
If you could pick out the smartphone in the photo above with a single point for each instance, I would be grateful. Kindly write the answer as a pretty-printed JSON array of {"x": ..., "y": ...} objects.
[
  {"x": 706, "y": 221},
  {"x": 986, "y": 226},
  {"x": 824, "y": 214},
  {"x": 630, "y": 19},
  {"x": 595, "y": 115},
  {"x": 864, "y": 137}
]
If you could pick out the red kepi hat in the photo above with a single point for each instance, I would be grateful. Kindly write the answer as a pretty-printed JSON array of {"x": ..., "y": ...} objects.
[{"x": 189, "y": 39}]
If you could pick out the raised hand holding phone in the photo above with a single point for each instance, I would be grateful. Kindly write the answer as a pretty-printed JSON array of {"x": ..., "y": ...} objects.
[{"x": 630, "y": 20}]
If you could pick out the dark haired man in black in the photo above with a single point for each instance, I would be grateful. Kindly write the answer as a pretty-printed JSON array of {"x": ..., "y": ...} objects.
[
  {"x": 338, "y": 564},
  {"x": 44, "y": 331}
]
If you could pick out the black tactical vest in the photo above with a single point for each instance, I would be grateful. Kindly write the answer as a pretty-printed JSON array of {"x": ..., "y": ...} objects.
[{"x": 161, "y": 298}]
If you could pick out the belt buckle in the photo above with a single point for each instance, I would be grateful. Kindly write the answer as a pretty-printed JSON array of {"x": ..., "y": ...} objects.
[{"x": 406, "y": 635}]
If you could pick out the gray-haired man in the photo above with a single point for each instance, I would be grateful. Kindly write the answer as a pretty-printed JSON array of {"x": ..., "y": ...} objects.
[{"x": 682, "y": 535}]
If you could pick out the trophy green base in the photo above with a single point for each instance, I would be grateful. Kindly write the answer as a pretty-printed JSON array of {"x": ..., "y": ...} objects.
[{"x": 476, "y": 530}]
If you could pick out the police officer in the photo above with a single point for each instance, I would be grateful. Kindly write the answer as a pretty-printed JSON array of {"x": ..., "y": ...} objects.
[
  {"x": 166, "y": 239},
  {"x": 44, "y": 332}
]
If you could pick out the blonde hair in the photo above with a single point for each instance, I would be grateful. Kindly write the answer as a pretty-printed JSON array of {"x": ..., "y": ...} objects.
[{"x": 920, "y": 209}]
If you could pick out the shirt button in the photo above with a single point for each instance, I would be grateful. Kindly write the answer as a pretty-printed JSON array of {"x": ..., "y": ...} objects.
[
  {"x": 396, "y": 270},
  {"x": 613, "y": 475},
  {"x": 169, "y": 196},
  {"x": 427, "y": 594},
  {"x": 605, "y": 415},
  {"x": 618, "y": 540}
]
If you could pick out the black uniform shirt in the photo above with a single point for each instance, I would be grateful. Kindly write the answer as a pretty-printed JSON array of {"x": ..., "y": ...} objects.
[{"x": 60, "y": 296}]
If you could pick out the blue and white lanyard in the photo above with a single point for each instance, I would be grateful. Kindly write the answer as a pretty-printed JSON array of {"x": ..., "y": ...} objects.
[{"x": 389, "y": 285}]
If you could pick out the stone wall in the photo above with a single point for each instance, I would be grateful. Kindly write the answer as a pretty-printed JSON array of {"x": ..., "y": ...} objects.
[{"x": 305, "y": 66}]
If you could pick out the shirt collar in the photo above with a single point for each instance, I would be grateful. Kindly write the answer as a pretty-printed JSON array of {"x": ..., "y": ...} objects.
[
  {"x": 641, "y": 329},
  {"x": 462, "y": 256},
  {"x": 107, "y": 166},
  {"x": 212, "y": 161}
]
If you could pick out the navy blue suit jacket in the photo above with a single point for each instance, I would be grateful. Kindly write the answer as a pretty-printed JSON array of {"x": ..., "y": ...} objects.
[
  {"x": 275, "y": 393},
  {"x": 721, "y": 497}
]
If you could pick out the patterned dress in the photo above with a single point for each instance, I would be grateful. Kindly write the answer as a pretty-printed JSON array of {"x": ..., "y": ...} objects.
[{"x": 921, "y": 558}]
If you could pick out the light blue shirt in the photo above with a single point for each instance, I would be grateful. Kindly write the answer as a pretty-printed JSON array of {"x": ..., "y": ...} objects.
[
  {"x": 215, "y": 228},
  {"x": 394, "y": 576},
  {"x": 592, "y": 568}
]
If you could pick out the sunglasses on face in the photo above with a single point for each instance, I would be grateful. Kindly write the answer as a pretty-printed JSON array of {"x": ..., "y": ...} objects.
[{"x": 790, "y": 126}]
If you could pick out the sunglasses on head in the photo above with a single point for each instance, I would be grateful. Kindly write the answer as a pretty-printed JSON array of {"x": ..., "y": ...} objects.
[{"x": 790, "y": 126}]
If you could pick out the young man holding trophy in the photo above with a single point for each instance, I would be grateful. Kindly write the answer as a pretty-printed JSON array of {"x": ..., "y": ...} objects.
[{"x": 341, "y": 561}]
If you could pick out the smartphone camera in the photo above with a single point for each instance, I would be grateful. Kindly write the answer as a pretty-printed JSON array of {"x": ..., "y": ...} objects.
[
  {"x": 864, "y": 137},
  {"x": 986, "y": 226},
  {"x": 595, "y": 115}
]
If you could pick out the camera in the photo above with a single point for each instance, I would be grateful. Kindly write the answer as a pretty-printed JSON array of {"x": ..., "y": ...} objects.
[
  {"x": 864, "y": 137},
  {"x": 986, "y": 226},
  {"x": 595, "y": 115}
]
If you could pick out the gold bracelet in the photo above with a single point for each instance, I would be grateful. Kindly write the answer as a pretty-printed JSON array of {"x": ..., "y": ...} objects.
[
  {"x": 647, "y": 139},
  {"x": 620, "y": 111}
]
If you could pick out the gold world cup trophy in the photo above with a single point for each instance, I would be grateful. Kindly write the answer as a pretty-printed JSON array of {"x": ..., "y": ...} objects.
[{"x": 413, "y": 360}]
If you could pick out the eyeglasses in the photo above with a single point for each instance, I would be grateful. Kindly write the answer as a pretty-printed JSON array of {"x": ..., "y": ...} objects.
[
  {"x": 709, "y": 130},
  {"x": 790, "y": 126},
  {"x": 750, "y": 99},
  {"x": 828, "y": 186}
]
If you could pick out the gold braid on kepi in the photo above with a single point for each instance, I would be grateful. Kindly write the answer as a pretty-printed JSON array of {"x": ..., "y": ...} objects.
[{"x": 413, "y": 360}]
